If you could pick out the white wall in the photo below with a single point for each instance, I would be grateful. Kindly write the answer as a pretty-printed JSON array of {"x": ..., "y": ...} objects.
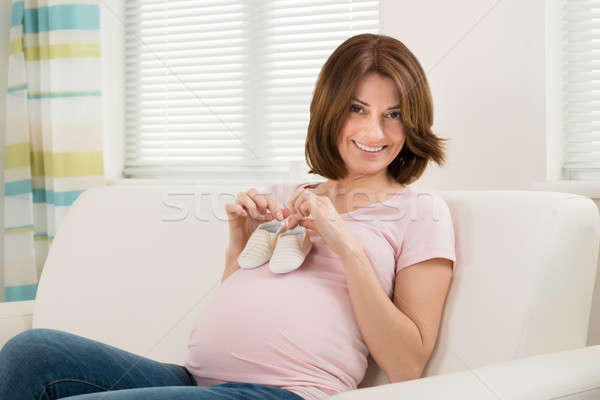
[
  {"x": 4, "y": 46},
  {"x": 485, "y": 61}
]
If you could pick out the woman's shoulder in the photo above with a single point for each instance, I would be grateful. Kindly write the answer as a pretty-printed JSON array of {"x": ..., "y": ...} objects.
[{"x": 422, "y": 202}]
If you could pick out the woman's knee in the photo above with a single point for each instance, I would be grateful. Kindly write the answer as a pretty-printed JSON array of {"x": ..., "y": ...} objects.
[{"x": 29, "y": 345}]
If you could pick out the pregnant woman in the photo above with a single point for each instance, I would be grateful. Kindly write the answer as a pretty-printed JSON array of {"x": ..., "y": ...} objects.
[{"x": 374, "y": 283}]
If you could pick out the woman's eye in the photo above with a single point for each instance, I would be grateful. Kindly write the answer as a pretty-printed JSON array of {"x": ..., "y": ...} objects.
[
  {"x": 355, "y": 108},
  {"x": 395, "y": 115}
]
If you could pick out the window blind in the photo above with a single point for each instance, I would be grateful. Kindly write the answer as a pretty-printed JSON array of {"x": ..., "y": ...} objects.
[
  {"x": 220, "y": 90},
  {"x": 581, "y": 88}
]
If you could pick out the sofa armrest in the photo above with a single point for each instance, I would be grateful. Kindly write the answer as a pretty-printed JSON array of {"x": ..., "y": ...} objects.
[
  {"x": 15, "y": 317},
  {"x": 573, "y": 374}
]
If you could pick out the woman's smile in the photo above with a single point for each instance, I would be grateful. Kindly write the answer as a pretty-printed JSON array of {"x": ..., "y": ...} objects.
[{"x": 368, "y": 149}]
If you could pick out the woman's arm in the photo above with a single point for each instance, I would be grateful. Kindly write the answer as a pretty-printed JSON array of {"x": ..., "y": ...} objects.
[
  {"x": 231, "y": 264},
  {"x": 399, "y": 334}
]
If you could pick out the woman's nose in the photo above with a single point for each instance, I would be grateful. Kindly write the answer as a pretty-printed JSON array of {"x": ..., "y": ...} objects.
[{"x": 375, "y": 131}]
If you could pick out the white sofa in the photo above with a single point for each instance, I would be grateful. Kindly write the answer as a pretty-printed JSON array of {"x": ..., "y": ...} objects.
[{"x": 132, "y": 266}]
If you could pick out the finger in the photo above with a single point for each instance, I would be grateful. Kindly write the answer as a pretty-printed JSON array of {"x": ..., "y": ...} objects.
[
  {"x": 264, "y": 204},
  {"x": 292, "y": 221},
  {"x": 303, "y": 206},
  {"x": 304, "y": 203},
  {"x": 234, "y": 211},
  {"x": 249, "y": 205},
  {"x": 246, "y": 202},
  {"x": 241, "y": 210},
  {"x": 290, "y": 202},
  {"x": 298, "y": 200},
  {"x": 286, "y": 212},
  {"x": 273, "y": 207},
  {"x": 308, "y": 223},
  {"x": 260, "y": 201}
]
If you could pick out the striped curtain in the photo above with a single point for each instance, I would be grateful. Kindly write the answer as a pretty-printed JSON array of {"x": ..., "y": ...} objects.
[{"x": 53, "y": 132}]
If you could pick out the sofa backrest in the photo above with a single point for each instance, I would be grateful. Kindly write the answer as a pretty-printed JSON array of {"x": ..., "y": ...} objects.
[{"x": 133, "y": 266}]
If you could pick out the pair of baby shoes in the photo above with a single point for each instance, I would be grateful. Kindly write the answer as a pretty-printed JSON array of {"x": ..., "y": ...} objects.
[{"x": 272, "y": 241}]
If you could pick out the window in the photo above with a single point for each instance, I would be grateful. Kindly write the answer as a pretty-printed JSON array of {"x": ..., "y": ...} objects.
[
  {"x": 220, "y": 90},
  {"x": 581, "y": 88}
]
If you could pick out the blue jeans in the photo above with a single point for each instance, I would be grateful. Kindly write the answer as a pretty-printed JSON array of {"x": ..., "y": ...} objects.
[{"x": 48, "y": 364}]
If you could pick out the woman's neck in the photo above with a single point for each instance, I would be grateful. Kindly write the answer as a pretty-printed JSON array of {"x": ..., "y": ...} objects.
[{"x": 362, "y": 187}]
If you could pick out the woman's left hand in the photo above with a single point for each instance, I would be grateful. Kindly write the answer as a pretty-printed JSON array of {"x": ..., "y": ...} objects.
[{"x": 305, "y": 204}]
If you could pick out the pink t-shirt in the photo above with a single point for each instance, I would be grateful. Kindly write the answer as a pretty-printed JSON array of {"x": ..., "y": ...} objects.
[{"x": 297, "y": 330}]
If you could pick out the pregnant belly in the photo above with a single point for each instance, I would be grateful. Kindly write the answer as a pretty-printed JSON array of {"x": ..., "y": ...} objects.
[{"x": 256, "y": 329}]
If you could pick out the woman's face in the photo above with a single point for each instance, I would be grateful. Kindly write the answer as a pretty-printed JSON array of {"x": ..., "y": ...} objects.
[{"x": 374, "y": 121}]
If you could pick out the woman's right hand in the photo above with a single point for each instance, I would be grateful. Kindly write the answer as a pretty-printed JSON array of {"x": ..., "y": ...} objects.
[{"x": 250, "y": 210}]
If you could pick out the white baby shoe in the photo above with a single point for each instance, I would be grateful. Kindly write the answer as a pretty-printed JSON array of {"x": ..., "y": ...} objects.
[
  {"x": 261, "y": 243},
  {"x": 291, "y": 248}
]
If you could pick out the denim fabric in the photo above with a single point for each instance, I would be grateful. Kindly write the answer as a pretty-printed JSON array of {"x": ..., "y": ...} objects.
[{"x": 48, "y": 364}]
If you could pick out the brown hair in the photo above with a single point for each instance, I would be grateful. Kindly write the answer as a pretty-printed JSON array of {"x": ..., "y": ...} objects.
[{"x": 331, "y": 102}]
